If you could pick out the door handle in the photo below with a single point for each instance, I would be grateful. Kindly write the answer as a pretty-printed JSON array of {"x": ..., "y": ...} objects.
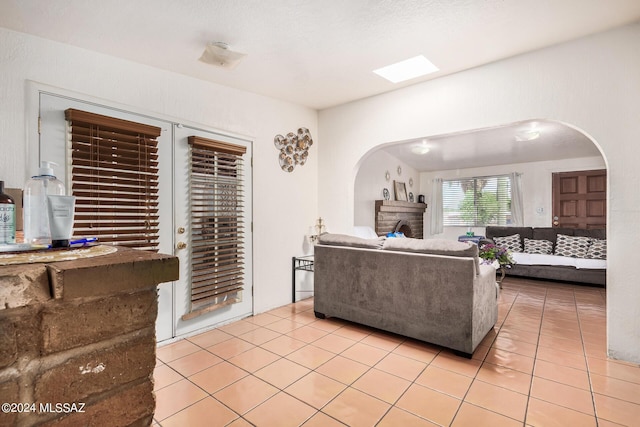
[{"x": 181, "y": 245}]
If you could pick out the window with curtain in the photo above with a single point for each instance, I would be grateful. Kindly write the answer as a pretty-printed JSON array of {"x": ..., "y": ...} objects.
[
  {"x": 114, "y": 177},
  {"x": 477, "y": 201},
  {"x": 217, "y": 225}
]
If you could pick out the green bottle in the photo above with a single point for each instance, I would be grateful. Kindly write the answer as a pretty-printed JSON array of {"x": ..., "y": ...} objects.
[{"x": 7, "y": 218}]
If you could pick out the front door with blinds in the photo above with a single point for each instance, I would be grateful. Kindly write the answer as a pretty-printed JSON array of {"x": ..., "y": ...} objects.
[
  {"x": 190, "y": 197},
  {"x": 213, "y": 228}
]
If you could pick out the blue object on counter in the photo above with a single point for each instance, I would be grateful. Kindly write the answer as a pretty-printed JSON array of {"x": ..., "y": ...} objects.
[
  {"x": 82, "y": 242},
  {"x": 395, "y": 234}
]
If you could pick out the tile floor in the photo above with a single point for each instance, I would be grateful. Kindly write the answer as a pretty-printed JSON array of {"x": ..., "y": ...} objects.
[{"x": 543, "y": 365}]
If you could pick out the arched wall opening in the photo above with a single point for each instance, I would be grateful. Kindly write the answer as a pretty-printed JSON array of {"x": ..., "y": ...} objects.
[{"x": 552, "y": 147}]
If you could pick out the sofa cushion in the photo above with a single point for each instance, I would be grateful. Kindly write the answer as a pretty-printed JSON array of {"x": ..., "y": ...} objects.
[
  {"x": 512, "y": 242},
  {"x": 435, "y": 247},
  {"x": 544, "y": 247},
  {"x": 572, "y": 246},
  {"x": 353, "y": 241},
  {"x": 432, "y": 246},
  {"x": 597, "y": 249}
]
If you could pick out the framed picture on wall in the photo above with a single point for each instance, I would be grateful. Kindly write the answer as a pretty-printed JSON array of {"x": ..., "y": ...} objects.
[{"x": 401, "y": 191}]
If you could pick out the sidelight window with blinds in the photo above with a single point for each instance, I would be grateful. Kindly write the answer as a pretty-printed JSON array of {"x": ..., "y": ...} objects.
[
  {"x": 114, "y": 177},
  {"x": 217, "y": 225}
]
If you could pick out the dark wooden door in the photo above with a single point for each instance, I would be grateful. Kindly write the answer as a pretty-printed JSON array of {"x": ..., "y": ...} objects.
[{"x": 580, "y": 199}]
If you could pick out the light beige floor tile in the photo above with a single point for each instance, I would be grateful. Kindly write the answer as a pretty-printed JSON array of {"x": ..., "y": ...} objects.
[
  {"x": 381, "y": 385},
  {"x": 562, "y": 374},
  {"x": 545, "y": 414},
  {"x": 342, "y": 369},
  {"x": 421, "y": 353},
  {"x": 398, "y": 417},
  {"x": 176, "y": 350},
  {"x": 209, "y": 338},
  {"x": 505, "y": 377},
  {"x": 283, "y": 345},
  {"x": 230, "y": 348},
  {"x": 510, "y": 360},
  {"x": 315, "y": 389},
  {"x": 280, "y": 410},
  {"x": 613, "y": 387},
  {"x": 403, "y": 367},
  {"x": 497, "y": 399},
  {"x": 163, "y": 376},
  {"x": 355, "y": 408},
  {"x": 473, "y": 416},
  {"x": 434, "y": 406},
  {"x": 445, "y": 381},
  {"x": 307, "y": 334},
  {"x": 310, "y": 356},
  {"x": 175, "y": 397},
  {"x": 282, "y": 373},
  {"x": 254, "y": 359},
  {"x": 245, "y": 394},
  {"x": 460, "y": 365},
  {"x": 563, "y": 395},
  {"x": 208, "y": 412},
  {"x": 218, "y": 377},
  {"x": 334, "y": 343},
  {"x": 323, "y": 420},
  {"x": 259, "y": 336},
  {"x": 194, "y": 362},
  {"x": 364, "y": 353}
]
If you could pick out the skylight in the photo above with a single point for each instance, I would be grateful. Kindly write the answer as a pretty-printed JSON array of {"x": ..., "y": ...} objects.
[{"x": 407, "y": 69}]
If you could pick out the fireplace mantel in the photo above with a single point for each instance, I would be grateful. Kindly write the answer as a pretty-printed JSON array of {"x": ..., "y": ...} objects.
[{"x": 388, "y": 213}]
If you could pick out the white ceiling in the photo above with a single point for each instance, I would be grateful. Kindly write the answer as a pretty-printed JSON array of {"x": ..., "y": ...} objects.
[
  {"x": 502, "y": 145},
  {"x": 318, "y": 53}
]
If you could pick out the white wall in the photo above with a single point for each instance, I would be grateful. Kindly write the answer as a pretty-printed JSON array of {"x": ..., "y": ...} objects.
[
  {"x": 285, "y": 204},
  {"x": 371, "y": 181},
  {"x": 591, "y": 83},
  {"x": 536, "y": 189}
]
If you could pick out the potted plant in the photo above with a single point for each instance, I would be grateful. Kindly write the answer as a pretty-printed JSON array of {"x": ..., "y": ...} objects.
[{"x": 497, "y": 256}]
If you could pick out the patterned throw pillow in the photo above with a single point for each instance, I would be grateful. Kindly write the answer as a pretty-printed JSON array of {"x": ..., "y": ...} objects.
[
  {"x": 572, "y": 246},
  {"x": 532, "y": 246},
  {"x": 598, "y": 249},
  {"x": 510, "y": 242}
]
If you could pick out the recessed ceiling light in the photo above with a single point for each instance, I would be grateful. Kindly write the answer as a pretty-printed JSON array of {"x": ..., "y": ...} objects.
[{"x": 407, "y": 69}]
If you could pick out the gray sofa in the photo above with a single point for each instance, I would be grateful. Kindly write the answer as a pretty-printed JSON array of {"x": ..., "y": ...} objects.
[
  {"x": 551, "y": 272},
  {"x": 431, "y": 290}
]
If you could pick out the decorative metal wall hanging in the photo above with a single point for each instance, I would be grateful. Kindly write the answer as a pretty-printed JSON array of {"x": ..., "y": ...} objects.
[{"x": 294, "y": 149}]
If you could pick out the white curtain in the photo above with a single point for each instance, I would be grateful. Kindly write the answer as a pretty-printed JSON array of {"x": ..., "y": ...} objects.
[
  {"x": 436, "y": 207},
  {"x": 517, "y": 209}
]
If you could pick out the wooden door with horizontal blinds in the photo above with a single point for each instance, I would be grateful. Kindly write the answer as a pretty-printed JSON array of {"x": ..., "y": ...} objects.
[
  {"x": 114, "y": 173},
  {"x": 216, "y": 194}
]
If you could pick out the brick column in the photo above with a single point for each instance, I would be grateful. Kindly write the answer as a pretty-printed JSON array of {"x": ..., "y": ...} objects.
[{"x": 77, "y": 339}]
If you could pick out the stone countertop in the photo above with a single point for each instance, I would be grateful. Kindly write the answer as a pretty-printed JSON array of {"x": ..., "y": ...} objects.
[{"x": 121, "y": 271}]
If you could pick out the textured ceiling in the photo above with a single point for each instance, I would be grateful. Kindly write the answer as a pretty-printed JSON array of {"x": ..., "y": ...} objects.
[
  {"x": 317, "y": 53},
  {"x": 321, "y": 53}
]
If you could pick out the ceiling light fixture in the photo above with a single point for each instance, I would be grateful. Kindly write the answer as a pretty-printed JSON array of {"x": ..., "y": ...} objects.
[
  {"x": 421, "y": 148},
  {"x": 529, "y": 135},
  {"x": 219, "y": 54},
  {"x": 407, "y": 69}
]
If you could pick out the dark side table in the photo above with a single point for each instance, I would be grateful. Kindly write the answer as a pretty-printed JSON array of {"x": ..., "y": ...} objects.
[
  {"x": 473, "y": 239},
  {"x": 304, "y": 263}
]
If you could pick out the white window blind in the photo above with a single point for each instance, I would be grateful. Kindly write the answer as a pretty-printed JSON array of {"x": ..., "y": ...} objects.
[
  {"x": 477, "y": 201},
  {"x": 217, "y": 226},
  {"x": 114, "y": 177}
]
